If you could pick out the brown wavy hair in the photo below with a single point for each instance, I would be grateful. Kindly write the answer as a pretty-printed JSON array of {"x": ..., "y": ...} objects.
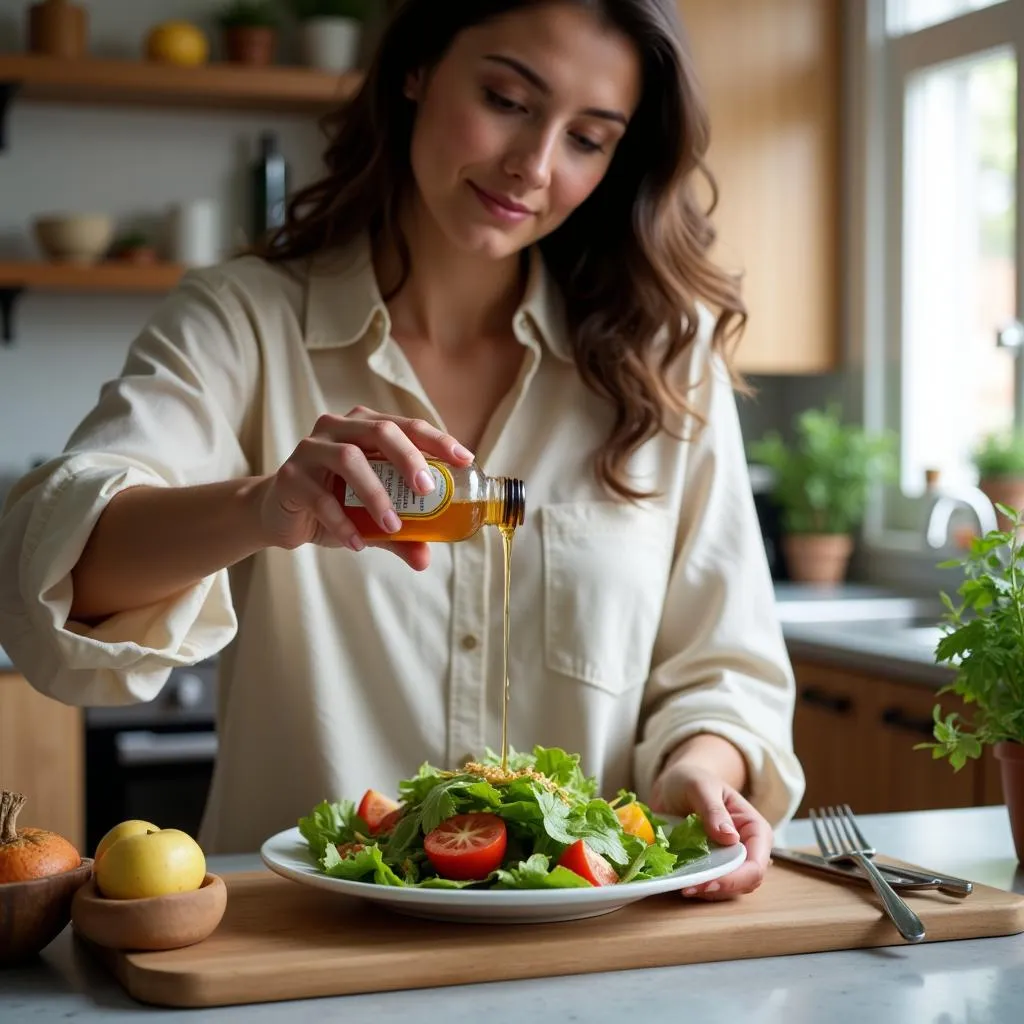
[{"x": 632, "y": 261}]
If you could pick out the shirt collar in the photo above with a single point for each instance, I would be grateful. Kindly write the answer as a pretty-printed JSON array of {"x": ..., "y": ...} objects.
[{"x": 344, "y": 304}]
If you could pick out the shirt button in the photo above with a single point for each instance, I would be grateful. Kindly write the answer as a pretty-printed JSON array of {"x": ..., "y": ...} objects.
[{"x": 469, "y": 642}]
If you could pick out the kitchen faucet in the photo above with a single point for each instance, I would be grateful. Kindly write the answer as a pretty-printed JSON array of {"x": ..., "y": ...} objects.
[{"x": 945, "y": 503}]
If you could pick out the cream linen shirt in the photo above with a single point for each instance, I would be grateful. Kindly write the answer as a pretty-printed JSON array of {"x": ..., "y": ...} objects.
[{"x": 633, "y": 627}]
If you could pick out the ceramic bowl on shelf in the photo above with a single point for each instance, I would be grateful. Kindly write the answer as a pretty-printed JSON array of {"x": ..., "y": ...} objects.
[
  {"x": 34, "y": 913},
  {"x": 74, "y": 237},
  {"x": 155, "y": 922}
]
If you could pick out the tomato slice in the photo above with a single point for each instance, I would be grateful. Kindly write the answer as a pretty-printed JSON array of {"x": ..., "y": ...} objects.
[
  {"x": 374, "y": 808},
  {"x": 634, "y": 822},
  {"x": 467, "y": 847},
  {"x": 589, "y": 865},
  {"x": 388, "y": 822}
]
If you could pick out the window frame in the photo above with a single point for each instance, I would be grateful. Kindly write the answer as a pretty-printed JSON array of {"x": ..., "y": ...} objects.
[{"x": 878, "y": 67}]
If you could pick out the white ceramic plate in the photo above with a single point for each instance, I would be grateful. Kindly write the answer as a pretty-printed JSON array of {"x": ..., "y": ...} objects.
[{"x": 288, "y": 854}]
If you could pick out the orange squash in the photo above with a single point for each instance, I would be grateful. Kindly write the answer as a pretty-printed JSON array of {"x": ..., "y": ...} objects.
[{"x": 29, "y": 853}]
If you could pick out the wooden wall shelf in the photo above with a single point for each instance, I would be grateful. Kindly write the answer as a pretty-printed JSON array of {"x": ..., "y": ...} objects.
[
  {"x": 109, "y": 276},
  {"x": 279, "y": 88}
]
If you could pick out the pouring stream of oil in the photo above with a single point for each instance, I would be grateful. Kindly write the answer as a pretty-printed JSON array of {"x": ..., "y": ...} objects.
[{"x": 506, "y": 543}]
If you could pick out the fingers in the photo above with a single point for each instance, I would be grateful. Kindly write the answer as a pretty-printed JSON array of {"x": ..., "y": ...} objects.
[
  {"x": 415, "y": 554},
  {"x": 756, "y": 835},
  {"x": 708, "y": 795},
  {"x": 363, "y": 423},
  {"x": 301, "y": 494},
  {"x": 743, "y": 880}
]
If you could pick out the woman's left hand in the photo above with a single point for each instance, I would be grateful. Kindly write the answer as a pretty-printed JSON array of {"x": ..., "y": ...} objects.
[{"x": 728, "y": 817}]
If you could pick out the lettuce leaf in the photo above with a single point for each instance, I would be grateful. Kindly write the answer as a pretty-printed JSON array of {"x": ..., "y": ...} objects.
[
  {"x": 535, "y": 873},
  {"x": 331, "y": 823}
]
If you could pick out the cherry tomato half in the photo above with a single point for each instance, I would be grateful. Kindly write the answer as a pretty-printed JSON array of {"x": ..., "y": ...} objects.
[
  {"x": 467, "y": 847},
  {"x": 587, "y": 864},
  {"x": 374, "y": 809}
]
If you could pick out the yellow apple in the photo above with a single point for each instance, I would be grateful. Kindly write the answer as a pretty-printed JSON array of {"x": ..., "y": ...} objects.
[
  {"x": 151, "y": 864},
  {"x": 126, "y": 828}
]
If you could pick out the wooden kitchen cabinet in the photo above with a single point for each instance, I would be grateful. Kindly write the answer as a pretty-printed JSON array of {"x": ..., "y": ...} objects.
[
  {"x": 855, "y": 733},
  {"x": 770, "y": 70},
  {"x": 42, "y": 755}
]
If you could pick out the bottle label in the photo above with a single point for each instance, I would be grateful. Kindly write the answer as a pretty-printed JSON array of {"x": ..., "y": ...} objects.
[{"x": 408, "y": 504}]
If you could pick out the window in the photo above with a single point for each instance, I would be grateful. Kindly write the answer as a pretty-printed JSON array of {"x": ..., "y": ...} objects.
[
  {"x": 958, "y": 266},
  {"x": 936, "y": 242},
  {"x": 913, "y": 15}
]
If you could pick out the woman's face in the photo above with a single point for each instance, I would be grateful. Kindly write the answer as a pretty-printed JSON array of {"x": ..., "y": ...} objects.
[{"x": 518, "y": 123}]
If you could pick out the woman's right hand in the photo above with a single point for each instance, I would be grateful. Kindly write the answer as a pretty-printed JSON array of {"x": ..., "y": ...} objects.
[{"x": 298, "y": 506}]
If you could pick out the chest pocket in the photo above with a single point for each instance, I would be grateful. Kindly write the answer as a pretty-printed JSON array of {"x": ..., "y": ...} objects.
[{"x": 606, "y": 567}]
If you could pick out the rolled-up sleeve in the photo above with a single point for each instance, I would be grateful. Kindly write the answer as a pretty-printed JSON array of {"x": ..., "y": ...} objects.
[
  {"x": 179, "y": 414},
  {"x": 720, "y": 663}
]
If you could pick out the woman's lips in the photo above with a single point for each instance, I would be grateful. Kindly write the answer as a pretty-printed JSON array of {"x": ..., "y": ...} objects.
[{"x": 503, "y": 209}]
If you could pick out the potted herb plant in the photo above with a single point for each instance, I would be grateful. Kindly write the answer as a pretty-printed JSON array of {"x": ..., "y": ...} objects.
[
  {"x": 821, "y": 488},
  {"x": 999, "y": 460},
  {"x": 983, "y": 642},
  {"x": 330, "y": 32},
  {"x": 249, "y": 30},
  {"x": 133, "y": 247}
]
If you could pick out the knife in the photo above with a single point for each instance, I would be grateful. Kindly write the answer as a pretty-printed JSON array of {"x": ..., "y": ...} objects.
[{"x": 898, "y": 877}]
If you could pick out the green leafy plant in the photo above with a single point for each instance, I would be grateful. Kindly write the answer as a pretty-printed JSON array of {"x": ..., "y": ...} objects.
[
  {"x": 303, "y": 10},
  {"x": 984, "y": 641},
  {"x": 1000, "y": 455},
  {"x": 822, "y": 481},
  {"x": 249, "y": 14}
]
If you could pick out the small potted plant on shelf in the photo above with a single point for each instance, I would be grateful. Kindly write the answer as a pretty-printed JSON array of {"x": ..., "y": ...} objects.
[
  {"x": 821, "y": 486},
  {"x": 999, "y": 460},
  {"x": 249, "y": 30},
  {"x": 330, "y": 32},
  {"x": 134, "y": 247},
  {"x": 983, "y": 642}
]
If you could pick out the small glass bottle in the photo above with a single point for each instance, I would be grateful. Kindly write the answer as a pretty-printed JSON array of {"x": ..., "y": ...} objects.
[{"x": 463, "y": 500}]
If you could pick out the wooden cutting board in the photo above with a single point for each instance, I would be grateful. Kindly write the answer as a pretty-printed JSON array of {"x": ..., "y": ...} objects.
[{"x": 282, "y": 940}]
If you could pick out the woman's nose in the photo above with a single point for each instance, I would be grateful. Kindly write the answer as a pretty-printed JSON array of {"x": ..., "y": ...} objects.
[{"x": 531, "y": 160}]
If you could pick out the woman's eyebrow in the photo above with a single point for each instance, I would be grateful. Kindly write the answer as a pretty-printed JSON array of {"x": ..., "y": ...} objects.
[{"x": 538, "y": 83}]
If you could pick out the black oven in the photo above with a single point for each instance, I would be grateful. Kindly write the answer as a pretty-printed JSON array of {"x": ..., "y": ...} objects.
[{"x": 153, "y": 761}]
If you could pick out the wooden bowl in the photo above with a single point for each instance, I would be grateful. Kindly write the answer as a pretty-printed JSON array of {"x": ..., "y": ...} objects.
[
  {"x": 33, "y": 914},
  {"x": 74, "y": 237},
  {"x": 157, "y": 922}
]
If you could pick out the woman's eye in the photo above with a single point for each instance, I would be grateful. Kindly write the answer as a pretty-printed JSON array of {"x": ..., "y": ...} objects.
[
  {"x": 499, "y": 102},
  {"x": 588, "y": 145}
]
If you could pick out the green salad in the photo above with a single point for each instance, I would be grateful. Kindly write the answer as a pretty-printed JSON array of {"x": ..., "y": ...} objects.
[{"x": 537, "y": 825}]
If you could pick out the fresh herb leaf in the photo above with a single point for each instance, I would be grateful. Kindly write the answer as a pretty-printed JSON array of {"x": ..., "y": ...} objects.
[
  {"x": 984, "y": 642},
  {"x": 688, "y": 840},
  {"x": 535, "y": 873},
  {"x": 331, "y": 823}
]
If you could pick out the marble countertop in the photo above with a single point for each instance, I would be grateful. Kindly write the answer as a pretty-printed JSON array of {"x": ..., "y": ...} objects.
[{"x": 947, "y": 982}]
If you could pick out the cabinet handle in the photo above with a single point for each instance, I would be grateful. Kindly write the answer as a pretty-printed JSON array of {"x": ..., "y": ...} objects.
[
  {"x": 827, "y": 701},
  {"x": 899, "y": 719}
]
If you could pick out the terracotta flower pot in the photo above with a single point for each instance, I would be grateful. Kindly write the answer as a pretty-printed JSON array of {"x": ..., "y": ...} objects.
[
  {"x": 250, "y": 44},
  {"x": 1007, "y": 490},
  {"x": 817, "y": 557},
  {"x": 1011, "y": 765},
  {"x": 58, "y": 29}
]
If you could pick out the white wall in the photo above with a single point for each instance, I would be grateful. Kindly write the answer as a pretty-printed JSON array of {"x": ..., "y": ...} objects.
[{"x": 131, "y": 163}]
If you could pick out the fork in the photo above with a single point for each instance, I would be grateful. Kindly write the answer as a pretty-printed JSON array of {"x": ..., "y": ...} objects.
[
  {"x": 837, "y": 842},
  {"x": 945, "y": 883}
]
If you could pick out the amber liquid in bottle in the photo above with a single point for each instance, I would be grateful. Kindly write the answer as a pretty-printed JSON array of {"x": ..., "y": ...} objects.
[{"x": 463, "y": 502}]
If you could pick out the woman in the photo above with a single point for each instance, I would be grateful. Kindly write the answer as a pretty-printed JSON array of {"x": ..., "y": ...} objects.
[{"x": 504, "y": 258}]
